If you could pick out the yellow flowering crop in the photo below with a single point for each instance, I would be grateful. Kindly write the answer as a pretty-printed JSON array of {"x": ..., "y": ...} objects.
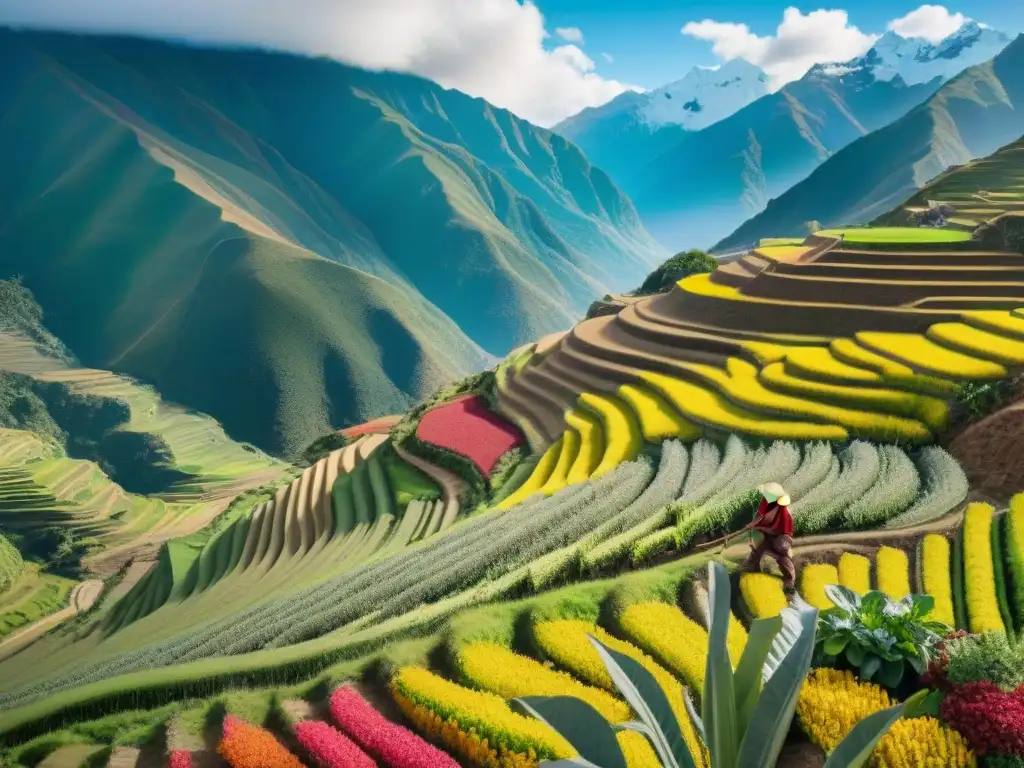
[
  {"x": 510, "y": 675},
  {"x": 978, "y": 343},
  {"x": 565, "y": 642},
  {"x": 762, "y": 594},
  {"x": 591, "y": 445},
  {"x": 821, "y": 363},
  {"x": 658, "y": 420},
  {"x": 637, "y": 750},
  {"x": 832, "y": 702},
  {"x": 891, "y": 372},
  {"x": 670, "y": 635},
  {"x": 923, "y": 354},
  {"x": 935, "y": 577},
  {"x": 766, "y": 352},
  {"x": 538, "y": 477},
  {"x": 570, "y": 450},
  {"x": 979, "y": 575},
  {"x": 621, "y": 431},
  {"x": 475, "y": 712},
  {"x": 892, "y": 572},
  {"x": 813, "y": 579},
  {"x": 931, "y": 411},
  {"x": 855, "y": 572},
  {"x": 705, "y": 405},
  {"x": 702, "y": 285},
  {"x": 922, "y": 742},
  {"x": 997, "y": 321},
  {"x": 740, "y": 383}
]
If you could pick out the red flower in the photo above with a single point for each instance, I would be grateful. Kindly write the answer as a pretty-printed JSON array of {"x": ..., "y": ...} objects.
[
  {"x": 395, "y": 746},
  {"x": 329, "y": 747},
  {"x": 990, "y": 719},
  {"x": 180, "y": 758},
  {"x": 467, "y": 427}
]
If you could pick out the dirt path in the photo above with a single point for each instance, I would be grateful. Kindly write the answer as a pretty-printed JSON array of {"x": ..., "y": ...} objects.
[
  {"x": 82, "y": 598},
  {"x": 452, "y": 486}
]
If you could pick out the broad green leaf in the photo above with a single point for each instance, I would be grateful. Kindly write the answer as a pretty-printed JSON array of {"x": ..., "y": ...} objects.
[
  {"x": 579, "y": 724},
  {"x": 856, "y": 748},
  {"x": 870, "y": 666},
  {"x": 750, "y": 672},
  {"x": 835, "y": 644},
  {"x": 855, "y": 654},
  {"x": 792, "y": 627},
  {"x": 642, "y": 692},
  {"x": 718, "y": 705},
  {"x": 891, "y": 673},
  {"x": 770, "y": 720},
  {"x": 844, "y": 598}
]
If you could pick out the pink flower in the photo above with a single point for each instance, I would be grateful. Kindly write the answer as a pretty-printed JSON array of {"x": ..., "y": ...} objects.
[
  {"x": 395, "y": 746},
  {"x": 180, "y": 758},
  {"x": 329, "y": 747},
  {"x": 466, "y": 426}
]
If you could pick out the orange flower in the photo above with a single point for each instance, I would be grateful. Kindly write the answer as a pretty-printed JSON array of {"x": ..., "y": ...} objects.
[{"x": 247, "y": 746}]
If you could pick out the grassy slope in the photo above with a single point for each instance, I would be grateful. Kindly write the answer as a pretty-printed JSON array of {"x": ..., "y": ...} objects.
[
  {"x": 216, "y": 158},
  {"x": 972, "y": 115}
]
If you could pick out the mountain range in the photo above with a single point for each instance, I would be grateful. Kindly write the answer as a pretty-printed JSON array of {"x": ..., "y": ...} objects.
[
  {"x": 974, "y": 114},
  {"x": 290, "y": 244},
  {"x": 693, "y": 187}
]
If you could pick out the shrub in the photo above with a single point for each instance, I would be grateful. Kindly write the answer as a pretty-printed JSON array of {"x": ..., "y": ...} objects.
[
  {"x": 677, "y": 267},
  {"x": 992, "y": 720},
  {"x": 328, "y": 747},
  {"x": 878, "y": 636},
  {"x": 990, "y": 657},
  {"x": 944, "y": 486},
  {"x": 979, "y": 574},
  {"x": 394, "y": 745},
  {"x": 179, "y": 758}
]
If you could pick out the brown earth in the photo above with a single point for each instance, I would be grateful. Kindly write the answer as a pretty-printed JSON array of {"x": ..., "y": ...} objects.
[{"x": 990, "y": 452}]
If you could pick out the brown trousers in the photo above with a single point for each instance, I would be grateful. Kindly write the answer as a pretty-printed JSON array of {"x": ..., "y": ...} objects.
[{"x": 777, "y": 547}]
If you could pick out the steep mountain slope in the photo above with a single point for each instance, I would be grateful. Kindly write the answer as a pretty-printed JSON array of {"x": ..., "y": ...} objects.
[
  {"x": 693, "y": 187},
  {"x": 973, "y": 115},
  {"x": 289, "y": 244}
]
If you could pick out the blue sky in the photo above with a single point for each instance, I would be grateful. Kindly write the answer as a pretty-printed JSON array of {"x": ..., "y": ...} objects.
[
  {"x": 510, "y": 52},
  {"x": 647, "y": 48}
]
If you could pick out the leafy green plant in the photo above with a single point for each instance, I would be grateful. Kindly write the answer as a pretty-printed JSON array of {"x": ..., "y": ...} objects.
[
  {"x": 990, "y": 657},
  {"x": 878, "y": 637},
  {"x": 745, "y": 714},
  {"x": 676, "y": 268}
]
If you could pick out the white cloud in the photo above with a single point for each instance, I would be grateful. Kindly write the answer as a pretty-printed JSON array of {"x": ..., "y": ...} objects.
[
  {"x": 489, "y": 48},
  {"x": 932, "y": 22},
  {"x": 570, "y": 34},
  {"x": 799, "y": 42},
  {"x": 608, "y": 57}
]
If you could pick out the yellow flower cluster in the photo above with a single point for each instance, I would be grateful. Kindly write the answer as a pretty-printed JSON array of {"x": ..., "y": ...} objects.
[
  {"x": 621, "y": 431},
  {"x": 892, "y": 572},
  {"x": 736, "y": 640},
  {"x": 832, "y": 701},
  {"x": 658, "y": 420},
  {"x": 979, "y": 574},
  {"x": 591, "y": 445},
  {"x": 922, "y": 742},
  {"x": 637, "y": 750},
  {"x": 978, "y": 343},
  {"x": 484, "y": 714},
  {"x": 762, "y": 594},
  {"x": 670, "y": 635},
  {"x": 855, "y": 573},
  {"x": 813, "y": 579},
  {"x": 935, "y": 577},
  {"x": 565, "y": 642},
  {"x": 510, "y": 675},
  {"x": 467, "y": 745}
]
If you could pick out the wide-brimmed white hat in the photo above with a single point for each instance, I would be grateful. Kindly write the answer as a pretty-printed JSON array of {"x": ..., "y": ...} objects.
[{"x": 775, "y": 492}]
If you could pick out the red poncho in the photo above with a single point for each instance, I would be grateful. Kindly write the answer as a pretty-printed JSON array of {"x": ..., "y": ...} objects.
[{"x": 783, "y": 523}]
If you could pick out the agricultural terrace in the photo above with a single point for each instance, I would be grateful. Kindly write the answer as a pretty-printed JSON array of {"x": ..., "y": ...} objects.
[
  {"x": 467, "y": 427},
  {"x": 921, "y": 235},
  {"x": 383, "y": 607}
]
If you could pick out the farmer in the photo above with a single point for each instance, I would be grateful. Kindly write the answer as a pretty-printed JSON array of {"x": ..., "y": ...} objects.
[{"x": 775, "y": 525}]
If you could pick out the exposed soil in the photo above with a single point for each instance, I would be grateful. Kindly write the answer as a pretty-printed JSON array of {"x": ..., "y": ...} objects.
[{"x": 990, "y": 452}]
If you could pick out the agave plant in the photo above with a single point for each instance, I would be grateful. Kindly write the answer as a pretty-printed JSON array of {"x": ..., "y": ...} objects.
[{"x": 745, "y": 714}]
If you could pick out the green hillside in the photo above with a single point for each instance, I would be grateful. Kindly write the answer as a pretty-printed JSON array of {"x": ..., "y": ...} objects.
[
  {"x": 692, "y": 188},
  {"x": 973, "y": 115},
  {"x": 286, "y": 261}
]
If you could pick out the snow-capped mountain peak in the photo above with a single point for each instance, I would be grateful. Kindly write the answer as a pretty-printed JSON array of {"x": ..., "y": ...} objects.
[
  {"x": 915, "y": 60},
  {"x": 705, "y": 96}
]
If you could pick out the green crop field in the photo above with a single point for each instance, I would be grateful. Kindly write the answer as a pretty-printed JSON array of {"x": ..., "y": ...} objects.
[{"x": 922, "y": 235}]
